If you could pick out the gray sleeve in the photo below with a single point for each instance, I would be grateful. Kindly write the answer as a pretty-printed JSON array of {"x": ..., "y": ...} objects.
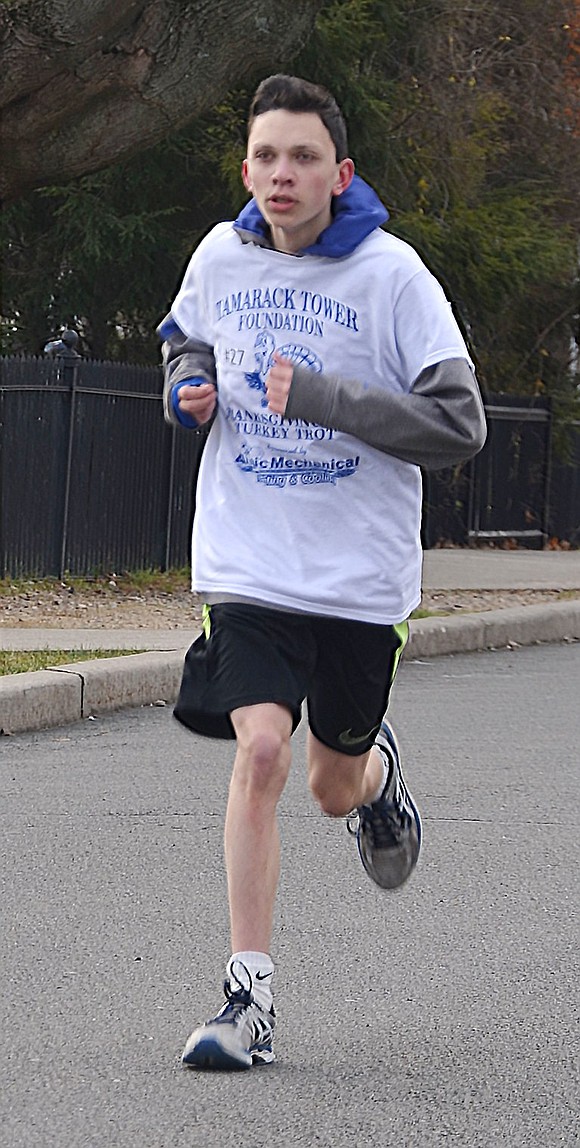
[
  {"x": 439, "y": 423},
  {"x": 183, "y": 358}
]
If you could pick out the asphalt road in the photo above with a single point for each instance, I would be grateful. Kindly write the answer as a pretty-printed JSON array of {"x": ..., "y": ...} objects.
[{"x": 444, "y": 1014}]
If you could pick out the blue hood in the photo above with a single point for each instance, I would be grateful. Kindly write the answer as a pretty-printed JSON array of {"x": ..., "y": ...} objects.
[{"x": 356, "y": 213}]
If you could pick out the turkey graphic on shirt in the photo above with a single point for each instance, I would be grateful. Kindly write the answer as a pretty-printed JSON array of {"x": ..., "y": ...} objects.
[{"x": 264, "y": 348}]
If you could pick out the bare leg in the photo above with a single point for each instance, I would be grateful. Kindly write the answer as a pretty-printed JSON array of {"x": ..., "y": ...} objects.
[
  {"x": 252, "y": 846},
  {"x": 339, "y": 783}
]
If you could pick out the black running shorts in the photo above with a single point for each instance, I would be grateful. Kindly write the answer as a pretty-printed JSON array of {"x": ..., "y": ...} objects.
[{"x": 250, "y": 654}]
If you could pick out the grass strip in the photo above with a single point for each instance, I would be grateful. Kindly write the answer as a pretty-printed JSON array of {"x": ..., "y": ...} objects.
[
  {"x": 22, "y": 661},
  {"x": 128, "y": 582}
]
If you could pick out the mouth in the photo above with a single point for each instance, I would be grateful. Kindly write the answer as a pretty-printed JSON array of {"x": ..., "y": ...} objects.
[{"x": 281, "y": 202}]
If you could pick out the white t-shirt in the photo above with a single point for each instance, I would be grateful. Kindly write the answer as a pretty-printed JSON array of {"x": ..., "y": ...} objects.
[{"x": 288, "y": 513}]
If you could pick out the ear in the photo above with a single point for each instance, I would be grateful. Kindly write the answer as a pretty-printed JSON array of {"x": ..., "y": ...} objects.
[
  {"x": 245, "y": 176},
  {"x": 345, "y": 176}
]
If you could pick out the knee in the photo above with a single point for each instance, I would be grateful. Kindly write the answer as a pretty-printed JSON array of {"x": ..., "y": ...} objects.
[
  {"x": 335, "y": 800},
  {"x": 263, "y": 760}
]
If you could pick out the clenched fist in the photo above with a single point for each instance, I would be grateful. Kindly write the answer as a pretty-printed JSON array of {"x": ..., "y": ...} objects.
[
  {"x": 198, "y": 401},
  {"x": 278, "y": 383}
]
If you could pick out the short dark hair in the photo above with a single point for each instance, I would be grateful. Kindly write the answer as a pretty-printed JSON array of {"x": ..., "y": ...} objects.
[{"x": 292, "y": 94}]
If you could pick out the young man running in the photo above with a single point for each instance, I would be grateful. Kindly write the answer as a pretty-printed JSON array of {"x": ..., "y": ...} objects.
[{"x": 328, "y": 358}]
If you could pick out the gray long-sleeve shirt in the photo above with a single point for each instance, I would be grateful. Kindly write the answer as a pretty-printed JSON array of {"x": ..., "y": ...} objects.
[{"x": 439, "y": 423}]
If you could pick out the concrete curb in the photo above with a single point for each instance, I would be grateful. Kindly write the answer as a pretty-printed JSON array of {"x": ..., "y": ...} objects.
[
  {"x": 38, "y": 700},
  {"x": 69, "y": 693},
  {"x": 492, "y": 629}
]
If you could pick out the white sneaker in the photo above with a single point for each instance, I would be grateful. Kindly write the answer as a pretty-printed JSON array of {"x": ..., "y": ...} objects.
[{"x": 241, "y": 1033}]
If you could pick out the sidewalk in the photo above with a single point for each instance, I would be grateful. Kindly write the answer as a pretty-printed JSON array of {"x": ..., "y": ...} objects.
[
  {"x": 83, "y": 689},
  {"x": 501, "y": 570}
]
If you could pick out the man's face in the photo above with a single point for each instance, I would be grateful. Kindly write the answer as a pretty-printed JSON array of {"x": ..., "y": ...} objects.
[{"x": 293, "y": 174}]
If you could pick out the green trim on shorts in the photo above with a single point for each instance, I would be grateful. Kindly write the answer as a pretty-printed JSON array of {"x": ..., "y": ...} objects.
[
  {"x": 206, "y": 620},
  {"x": 402, "y": 631}
]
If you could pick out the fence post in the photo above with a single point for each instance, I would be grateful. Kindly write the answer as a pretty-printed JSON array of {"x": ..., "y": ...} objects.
[
  {"x": 548, "y": 478},
  {"x": 64, "y": 351},
  {"x": 473, "y": 500},
  {"x": 170, "y": 498},
  {"x": 69, "y": 376}
]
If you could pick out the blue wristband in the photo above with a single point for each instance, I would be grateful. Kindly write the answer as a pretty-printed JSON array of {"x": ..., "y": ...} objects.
[{"x": 182, "y": 416}]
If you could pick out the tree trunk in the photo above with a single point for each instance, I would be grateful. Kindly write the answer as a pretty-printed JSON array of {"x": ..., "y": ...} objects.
[{"x": 84, "y": 84}]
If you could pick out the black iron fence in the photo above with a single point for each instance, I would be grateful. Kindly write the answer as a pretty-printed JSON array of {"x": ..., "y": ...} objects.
[
  {"x": 516, "y": 488},
  {"x": 92, "y": 480}
]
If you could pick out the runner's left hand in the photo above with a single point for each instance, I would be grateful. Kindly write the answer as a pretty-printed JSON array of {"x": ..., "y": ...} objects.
[{"x": 278, "y": 383}]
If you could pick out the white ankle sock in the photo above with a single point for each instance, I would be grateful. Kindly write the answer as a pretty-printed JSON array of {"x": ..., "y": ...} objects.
[
  {"x": 384, "y": 777},
  {"x": 261, "y": 970}
]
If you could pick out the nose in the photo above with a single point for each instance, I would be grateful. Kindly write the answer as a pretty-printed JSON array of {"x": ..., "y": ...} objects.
[{"x": 283, "y": 170}]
